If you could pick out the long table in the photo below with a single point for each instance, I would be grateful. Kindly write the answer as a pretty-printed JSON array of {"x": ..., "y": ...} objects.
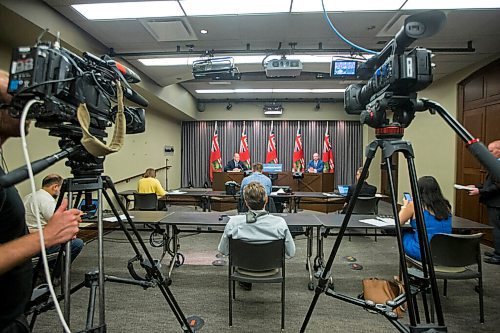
[
  {"x": 177, "y": 220},
  {"x": 197, "y": 197}
]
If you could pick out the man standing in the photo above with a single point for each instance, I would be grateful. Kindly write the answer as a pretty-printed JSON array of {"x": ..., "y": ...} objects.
[
  {"x": 46, "y": 203},
  {"x": 235, "y": 165},
  {"x": 257, "y": 176},
  {"x": 489, "y": 195},
  {"x": 256, "y": 225},
  {"x": 315, "y": 165},
  {"x": 17, "y": 246}
]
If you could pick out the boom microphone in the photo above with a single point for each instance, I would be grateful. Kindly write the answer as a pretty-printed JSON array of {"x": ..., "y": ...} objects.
[
  {"x": 129, "y": 75},
  {"x": 135, "y": 97}
]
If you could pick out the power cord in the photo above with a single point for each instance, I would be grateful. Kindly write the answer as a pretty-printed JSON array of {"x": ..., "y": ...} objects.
[{"x": 37, "y": 213}]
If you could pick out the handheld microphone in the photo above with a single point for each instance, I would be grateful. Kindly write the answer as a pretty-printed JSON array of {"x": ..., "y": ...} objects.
[
  {"x": 127, "y": 73},
  {"x": 135, "y": 97}
]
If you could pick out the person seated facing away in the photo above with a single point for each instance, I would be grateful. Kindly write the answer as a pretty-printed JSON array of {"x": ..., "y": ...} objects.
[
  {"x": 265, "y": 227},
  {"x": 257, "y": 176},
  {"x": 46, "y": 203},
  {"x": 367, "y": 190},
  {"x": 235, "y": 165},
  {"x": 437, "y": 215},
  {"x": 149, "y": 184},
  {"x": 315, "y": 165}
]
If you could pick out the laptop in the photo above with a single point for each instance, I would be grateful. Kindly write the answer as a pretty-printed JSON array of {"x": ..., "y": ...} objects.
[
  {"x": 89, "y": 214},
  {"x": 343, "y": 189}
]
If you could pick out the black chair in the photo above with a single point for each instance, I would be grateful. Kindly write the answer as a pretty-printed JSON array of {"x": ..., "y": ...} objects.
[
  {"x": 247, "y": 263},
  {"x": 453, "y": 255},
  {"x": 145, "y": 201},
  {"x": 366, "y": 206}
]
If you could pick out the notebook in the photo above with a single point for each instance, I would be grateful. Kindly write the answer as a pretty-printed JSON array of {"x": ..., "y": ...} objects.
[
  {"x": 343, "y": 189},
  {"x": 90, "y": 213}
]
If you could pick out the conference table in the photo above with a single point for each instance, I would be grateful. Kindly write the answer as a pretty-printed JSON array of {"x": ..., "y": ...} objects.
[
  {"x": 180, "y": 222},
  {"x": 196, "y": 197}
]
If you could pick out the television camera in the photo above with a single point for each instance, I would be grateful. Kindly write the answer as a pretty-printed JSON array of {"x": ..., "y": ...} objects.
[
  {"x": 395, "y": 77},
  {"x": 61, "y": 80}
]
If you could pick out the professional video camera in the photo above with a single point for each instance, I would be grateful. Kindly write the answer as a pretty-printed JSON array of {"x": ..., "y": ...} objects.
[
  {"x": 61, "y": 80},
  {"x": 395, "y": 77}
]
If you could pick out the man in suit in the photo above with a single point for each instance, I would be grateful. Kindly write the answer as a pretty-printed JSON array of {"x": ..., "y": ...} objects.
[
  {"x": 315, "y": 165},
  {"x": 367, "y": 190},
  {"x": 489, "y": 195},
  {"x": 235, "y": 164}
]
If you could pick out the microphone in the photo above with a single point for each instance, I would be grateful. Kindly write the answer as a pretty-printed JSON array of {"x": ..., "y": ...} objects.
[
  {"x": 127, "y": 73},
  {"x": 135, "y": 97}
]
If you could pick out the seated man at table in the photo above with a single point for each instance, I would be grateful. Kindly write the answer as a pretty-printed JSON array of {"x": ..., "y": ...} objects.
[
  {"x": 149, "y": 184},
  {"x": 235, "y": 165},
  {"x": 46, "y": 203},
  {"x": 367, "y": 190},
  {"x": 315, "y": 165},
  {"x": 256, "y": 225},
  {"x": 257, "y": 176}
]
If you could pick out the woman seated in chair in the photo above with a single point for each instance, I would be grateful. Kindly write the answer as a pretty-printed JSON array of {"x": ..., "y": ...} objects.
[
  {"x": 149, "y": 184},
  {"x": 437, "y": 215}
]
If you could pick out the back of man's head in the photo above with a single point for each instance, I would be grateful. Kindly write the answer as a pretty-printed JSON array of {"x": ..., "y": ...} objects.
[
  {"x": 255, "y": 196},
  {"x": 257, "y": 167},
  {"x": 52, "y": 179}
]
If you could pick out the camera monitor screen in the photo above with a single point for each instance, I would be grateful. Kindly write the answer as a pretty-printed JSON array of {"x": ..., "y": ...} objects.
[
  {"x": 91, "y": 213},
  {"x": 344, "y": 68}
]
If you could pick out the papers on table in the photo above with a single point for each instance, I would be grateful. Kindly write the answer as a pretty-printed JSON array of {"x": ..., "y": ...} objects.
[
  {"x": 85, "y": 224},
  {"x": 462, "y": 187},
  {"x": 333, "y": 195},
  {"x": 379, "y": 221},
  {"x": 280, "y": 191},
  {"x": 176, "y": 192},
  {"x": 114, "y": 219}
]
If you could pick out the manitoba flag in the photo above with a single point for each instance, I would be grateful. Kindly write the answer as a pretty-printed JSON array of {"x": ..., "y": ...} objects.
[
  {"x": 215, "y": 158},
  {"x": 272, "y": 153},
  {"x": 327, "y": 153},
  {"x": 298, "y": 153},
  {"x": 244, "y": 152}
]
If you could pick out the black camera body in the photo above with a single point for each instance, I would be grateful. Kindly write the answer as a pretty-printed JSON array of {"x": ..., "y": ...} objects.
[
  {"x": 63, "y": 80},
  {"x": 394, "y": 77}
]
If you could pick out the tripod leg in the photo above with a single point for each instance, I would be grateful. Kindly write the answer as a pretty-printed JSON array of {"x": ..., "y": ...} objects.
[
  {"x": 322, "y": 283},
  {"x": 154, "y": 271},
  {"x": 91, "y": 305}
]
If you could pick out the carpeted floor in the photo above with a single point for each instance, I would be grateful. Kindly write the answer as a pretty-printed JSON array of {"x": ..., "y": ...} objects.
[{"x": 201, "y": 289}]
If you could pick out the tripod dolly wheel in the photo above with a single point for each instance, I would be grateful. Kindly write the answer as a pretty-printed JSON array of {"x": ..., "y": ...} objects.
[
  {"x": 310, "y": 286},
  {"x": 179, "y": 260},
  {"x": 156, "y": 239}
]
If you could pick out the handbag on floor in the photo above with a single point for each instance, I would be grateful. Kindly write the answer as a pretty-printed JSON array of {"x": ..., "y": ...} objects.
[{"x": 380, "y": 291}]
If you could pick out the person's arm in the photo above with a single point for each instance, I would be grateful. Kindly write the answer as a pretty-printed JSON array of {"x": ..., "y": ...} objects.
[
  {"x": 321, "y": 166},
  {"x": 289, "y": 244},
  {"x": 407, "y": 211},
  {"x": 159, "y": 189},
  {"x": 61, "y": 228},
  {"x": 224, "y": 240}
]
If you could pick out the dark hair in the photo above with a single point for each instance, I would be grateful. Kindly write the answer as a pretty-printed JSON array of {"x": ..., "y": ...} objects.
[
  {"x": 255, "y": 196},
  {"x": 432, "y": 197},
  {"x": 257, "y": 167},
  {"x": 51, "y": 180}
]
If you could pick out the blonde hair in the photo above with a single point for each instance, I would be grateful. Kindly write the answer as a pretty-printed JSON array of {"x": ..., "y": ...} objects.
[
  {"x": 149, "y": 173},
  {"x": 255, "y": 196}
]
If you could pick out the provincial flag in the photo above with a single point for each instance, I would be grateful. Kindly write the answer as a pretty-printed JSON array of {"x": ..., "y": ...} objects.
[
  {"x": 298, "y": 153},
  {"x": 272, "y": 153},
  {"x": 244, "y": 152},
  {"x": 215, "y": 157},
  {"x": 327, "y": 153}
]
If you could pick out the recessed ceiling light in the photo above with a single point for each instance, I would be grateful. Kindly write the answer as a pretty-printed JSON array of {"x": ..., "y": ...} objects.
[
  {"x": 203, "y": 31},
  {"x": 450, "y": 4},
  {"x": 267, "y": 91},
  {"x": 129, "y": 10}
]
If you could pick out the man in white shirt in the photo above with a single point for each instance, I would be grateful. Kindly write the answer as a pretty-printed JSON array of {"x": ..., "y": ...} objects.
[
  {"x": 46, "y": 202},
  {"x": 257, "y": 224}
]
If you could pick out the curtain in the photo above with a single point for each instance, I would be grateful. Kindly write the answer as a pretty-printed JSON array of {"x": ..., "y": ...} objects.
[{"x": 346, "y": 139}]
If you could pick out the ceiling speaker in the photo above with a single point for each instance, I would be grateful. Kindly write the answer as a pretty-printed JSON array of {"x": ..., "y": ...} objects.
[{"x": 201, "y": 106}]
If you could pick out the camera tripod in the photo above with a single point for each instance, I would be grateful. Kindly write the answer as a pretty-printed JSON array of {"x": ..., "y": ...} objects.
[
  {"x": 390, "y": 146},
  {"x": 96, "y": 280}
]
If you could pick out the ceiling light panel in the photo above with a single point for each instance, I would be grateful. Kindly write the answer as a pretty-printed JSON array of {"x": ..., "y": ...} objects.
[
  {"x": 129, "y": 10},
  {"x": 267, "y": 91},
  {"x": 234, "y": 7},
  {"x": 305, "y": 6},
  {"x": 451, "y": 4}
]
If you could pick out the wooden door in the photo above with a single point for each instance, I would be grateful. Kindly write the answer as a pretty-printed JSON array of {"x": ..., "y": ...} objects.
[{"x": 479, "y": 112}]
